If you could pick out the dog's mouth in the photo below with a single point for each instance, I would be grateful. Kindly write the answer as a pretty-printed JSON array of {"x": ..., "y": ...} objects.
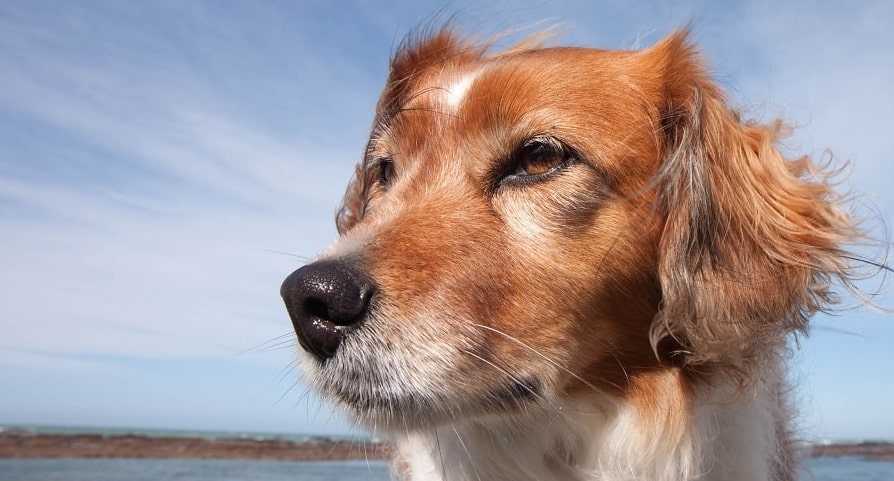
[
  {"x": 415, "y": 366},
  {"x": 386, "y": 401},
  {"x": 424, "y": 411},
  {"x": 518, "y": 392}
]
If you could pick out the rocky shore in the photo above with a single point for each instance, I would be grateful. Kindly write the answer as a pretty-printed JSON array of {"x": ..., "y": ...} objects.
[
  {"x": 872, "y": 450},
  {"x": 20, "y": 444},
  {"x": 24, "y": 444}
]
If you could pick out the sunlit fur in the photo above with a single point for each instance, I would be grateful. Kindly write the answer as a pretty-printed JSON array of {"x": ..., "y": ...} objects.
[{"x": 625, "y": 317}]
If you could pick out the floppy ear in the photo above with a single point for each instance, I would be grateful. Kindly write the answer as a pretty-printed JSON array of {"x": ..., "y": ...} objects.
[{"x": 752, "y": 240}]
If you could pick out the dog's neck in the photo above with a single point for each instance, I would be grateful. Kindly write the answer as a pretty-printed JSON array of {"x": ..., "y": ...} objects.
[{"x": 726, "y": 436}]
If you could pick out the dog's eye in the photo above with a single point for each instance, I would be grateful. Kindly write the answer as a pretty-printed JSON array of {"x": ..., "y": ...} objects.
[
  {"x": 386, "y": 172},
  {"x": 538, "y": 159}
]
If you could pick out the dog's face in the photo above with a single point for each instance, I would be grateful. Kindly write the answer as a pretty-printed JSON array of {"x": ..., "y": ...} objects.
[{"x": 502, "y": 244}]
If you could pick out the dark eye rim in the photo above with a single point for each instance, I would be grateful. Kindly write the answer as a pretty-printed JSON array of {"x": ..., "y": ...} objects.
[
  {"x": 384, "y": 167},
  {"x": 508, "y": 175}
]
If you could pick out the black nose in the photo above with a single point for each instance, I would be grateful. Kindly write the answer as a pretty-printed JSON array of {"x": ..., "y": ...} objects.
[{"x": 323, "y": 300}]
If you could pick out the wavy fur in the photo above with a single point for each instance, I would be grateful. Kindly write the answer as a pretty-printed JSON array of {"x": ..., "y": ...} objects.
[{"x": 583, "y": 265}]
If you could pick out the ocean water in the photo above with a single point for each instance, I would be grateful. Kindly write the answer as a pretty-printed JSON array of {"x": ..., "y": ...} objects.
[
  {"x": 188, "y": 470},
  {"x": 101, "y": 469},
  {"x": 848, "y": 469},
  {"x": 822, "y": 469}
]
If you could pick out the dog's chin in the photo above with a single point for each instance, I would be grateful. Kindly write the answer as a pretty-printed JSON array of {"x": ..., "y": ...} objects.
[{"x": 401, "y": 412}]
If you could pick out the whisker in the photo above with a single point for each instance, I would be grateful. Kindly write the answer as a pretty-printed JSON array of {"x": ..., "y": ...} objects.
[
  {"x": 303, "y": 397},
  {"x": 440, "y": 454},
  {"x": 621, "y": 365},
  {"x": 510, "y": 376},
  {"x": 297, "y": 256},
  {"x": 286, "y": 393},
  {"x": 388, "y": 117},
  {"x": 839, "y": 331},
  {"x": 278, "y": 342},
  {"x": 468, "y": 454},
  {"x": 543, "y": 356},
  {"x": 285, "y": 371}
]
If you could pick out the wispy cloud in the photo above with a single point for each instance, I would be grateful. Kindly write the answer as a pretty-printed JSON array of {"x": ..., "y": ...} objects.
[
  {"x": 154, "y": 231},
  {"x": 830, "y": 66}
]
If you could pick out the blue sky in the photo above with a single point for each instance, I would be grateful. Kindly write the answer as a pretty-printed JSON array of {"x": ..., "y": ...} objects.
[{"x": 164, "y": 165}]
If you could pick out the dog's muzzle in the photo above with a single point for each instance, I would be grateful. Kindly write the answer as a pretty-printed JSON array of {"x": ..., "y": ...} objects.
[{"x": 325, "y": 300}]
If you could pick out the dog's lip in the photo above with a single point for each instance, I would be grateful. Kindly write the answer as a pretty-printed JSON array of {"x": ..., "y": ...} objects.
[
  {"x": 417, "y": 406},
  {"x": 519, "y": 390}
]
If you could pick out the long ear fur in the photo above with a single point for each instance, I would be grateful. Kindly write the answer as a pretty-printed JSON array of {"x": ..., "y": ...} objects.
[{"x": 752, "y": 240}]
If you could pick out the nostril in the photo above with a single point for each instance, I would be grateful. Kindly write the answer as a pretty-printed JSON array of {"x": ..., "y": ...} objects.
[
  {"x": 339, "y": 311},
  {"x": 323, "y": 299},
  {"x": 316, "y": 308}
]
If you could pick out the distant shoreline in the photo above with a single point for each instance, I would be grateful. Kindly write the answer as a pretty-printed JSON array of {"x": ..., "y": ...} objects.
[
  {"x": 24, "y": 444},
  {"x": 869, "y": 450}
]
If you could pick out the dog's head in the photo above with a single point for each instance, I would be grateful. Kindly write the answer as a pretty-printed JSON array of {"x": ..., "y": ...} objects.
[{"x": 532, "y": 225}]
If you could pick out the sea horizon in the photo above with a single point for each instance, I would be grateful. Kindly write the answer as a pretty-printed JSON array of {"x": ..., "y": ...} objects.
[
  {"x": 211, "y": 434},
  {"x": 159, "y": 432},
  {"x": 844, "y": 468}
]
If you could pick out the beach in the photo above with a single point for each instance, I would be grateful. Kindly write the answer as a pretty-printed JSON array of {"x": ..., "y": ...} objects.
[
  {"x": 870, "y": 450},
  {"x": 24, "y": 444},
  {"x": 30, "y": 455}
]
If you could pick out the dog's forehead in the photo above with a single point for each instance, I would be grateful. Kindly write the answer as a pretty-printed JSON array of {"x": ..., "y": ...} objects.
[
  {"x": 503, "y": 100},
  {"x": 441, "y": 89},
  {"x": 537, "y": 76}
]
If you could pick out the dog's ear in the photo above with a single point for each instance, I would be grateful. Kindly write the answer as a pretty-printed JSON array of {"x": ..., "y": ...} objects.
[{"x": 752, "y": 240}]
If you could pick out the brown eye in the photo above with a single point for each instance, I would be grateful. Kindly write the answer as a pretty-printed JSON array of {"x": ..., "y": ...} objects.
[
  {"x": 538, "y": 159},
  {"x": 386, "y": 172}
]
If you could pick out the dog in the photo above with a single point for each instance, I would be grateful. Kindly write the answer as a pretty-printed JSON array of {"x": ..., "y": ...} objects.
[{"x": 566, "y": 263}]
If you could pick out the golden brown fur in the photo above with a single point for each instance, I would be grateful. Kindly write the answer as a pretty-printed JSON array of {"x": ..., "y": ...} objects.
[{"x": 658, "y": 269}]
